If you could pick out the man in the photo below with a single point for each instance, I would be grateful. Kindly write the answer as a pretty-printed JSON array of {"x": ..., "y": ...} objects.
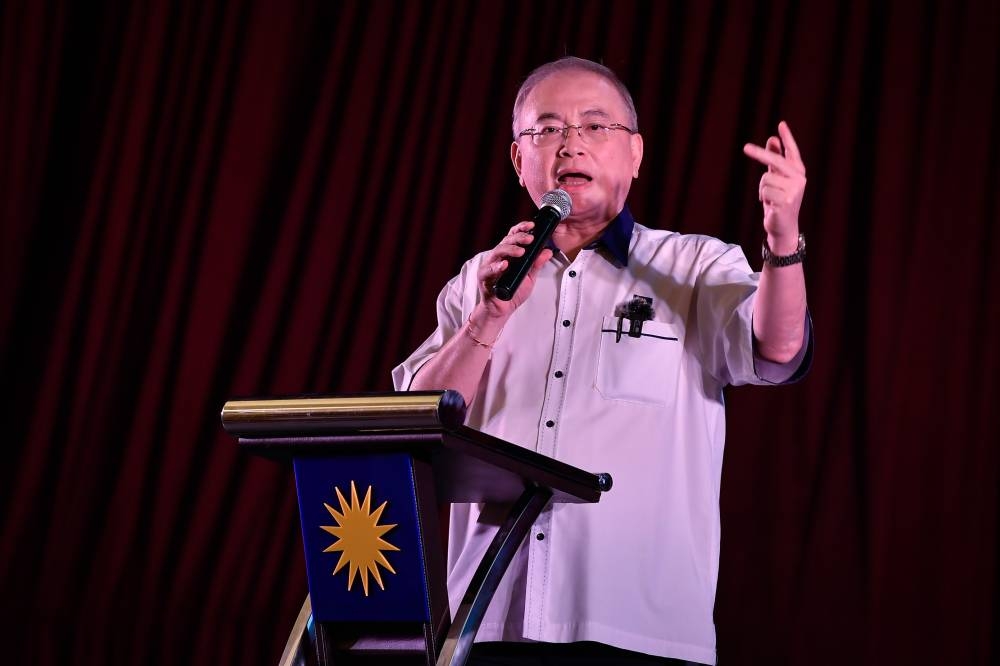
[{"x": 555, "y": 370}]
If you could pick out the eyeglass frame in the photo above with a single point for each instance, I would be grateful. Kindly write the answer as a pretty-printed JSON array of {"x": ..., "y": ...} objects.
[{"x": 564, "y": 130}]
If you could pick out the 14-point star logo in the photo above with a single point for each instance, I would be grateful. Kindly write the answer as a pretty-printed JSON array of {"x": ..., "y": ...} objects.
[{"x": 359, "y": 538}]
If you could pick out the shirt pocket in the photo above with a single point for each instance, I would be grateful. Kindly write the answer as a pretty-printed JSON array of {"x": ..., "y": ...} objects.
[{"x": 642, "y": 369}]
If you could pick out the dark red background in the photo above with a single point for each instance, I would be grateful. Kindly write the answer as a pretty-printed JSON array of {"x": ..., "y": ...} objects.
[{"x": 203, "y": 200}]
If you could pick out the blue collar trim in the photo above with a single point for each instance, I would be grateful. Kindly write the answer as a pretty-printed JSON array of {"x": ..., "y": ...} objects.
[{"x": 615, "y": 237}]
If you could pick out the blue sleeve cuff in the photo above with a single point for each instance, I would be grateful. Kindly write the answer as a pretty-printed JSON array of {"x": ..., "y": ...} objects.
[{"x": 791, "y": 372}]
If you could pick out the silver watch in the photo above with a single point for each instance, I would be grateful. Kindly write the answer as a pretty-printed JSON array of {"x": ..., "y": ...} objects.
[{"x": 772, "y": 259}]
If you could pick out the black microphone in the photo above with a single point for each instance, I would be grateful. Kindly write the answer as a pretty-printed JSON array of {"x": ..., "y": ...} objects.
[{"x": 556, "y": 206}]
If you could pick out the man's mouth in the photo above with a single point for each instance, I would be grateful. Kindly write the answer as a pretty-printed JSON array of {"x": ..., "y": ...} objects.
[{"x": 573, "y": 178}]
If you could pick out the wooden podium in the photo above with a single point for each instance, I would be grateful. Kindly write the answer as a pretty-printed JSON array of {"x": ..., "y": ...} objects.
[{"x": 372, "y": 474}]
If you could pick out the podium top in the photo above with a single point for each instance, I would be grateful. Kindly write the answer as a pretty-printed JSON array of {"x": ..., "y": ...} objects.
[
  {"x": 469, "y": 465},
  {"x": 409, "y": 410}
]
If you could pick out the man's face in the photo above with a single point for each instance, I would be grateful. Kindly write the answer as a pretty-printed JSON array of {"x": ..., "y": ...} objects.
[{"x": 596, "y": 175}]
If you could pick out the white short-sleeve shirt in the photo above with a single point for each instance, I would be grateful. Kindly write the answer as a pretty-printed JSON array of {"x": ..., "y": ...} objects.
[{"x": 637, "y": 570}]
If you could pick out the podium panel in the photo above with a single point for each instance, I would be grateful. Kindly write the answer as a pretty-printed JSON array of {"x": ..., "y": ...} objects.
[
  {"x": 370, "y": 471},
  {"x": 362, "y": 538}
]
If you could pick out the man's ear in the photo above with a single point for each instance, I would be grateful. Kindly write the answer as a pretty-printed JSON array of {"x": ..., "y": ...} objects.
[
  {"x": 635, "y": 143},
  {"x": 515, "y": 159}
]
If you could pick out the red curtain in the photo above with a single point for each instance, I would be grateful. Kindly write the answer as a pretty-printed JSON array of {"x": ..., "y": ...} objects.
[{"x": 203, "y": 200}]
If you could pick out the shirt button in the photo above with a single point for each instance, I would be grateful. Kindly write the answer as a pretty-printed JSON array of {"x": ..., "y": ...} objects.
[
  {"x": 550, "y": 423},
  {"x": 559, "y": 374},
  {"x": 540, "y": 536},
  {"x": 565, "y": 322},
  {"x": 572, "y": 273}
]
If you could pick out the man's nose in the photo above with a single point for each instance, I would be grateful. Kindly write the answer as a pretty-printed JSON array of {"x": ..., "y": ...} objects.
[{"x": 571, "y": 134}]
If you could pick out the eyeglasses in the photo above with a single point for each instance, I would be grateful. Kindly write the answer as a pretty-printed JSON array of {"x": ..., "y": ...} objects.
[{"x": 590, "y": 133}]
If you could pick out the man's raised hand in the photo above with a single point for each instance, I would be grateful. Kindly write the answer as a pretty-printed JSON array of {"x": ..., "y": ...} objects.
[{"x": 781, "y": 188}]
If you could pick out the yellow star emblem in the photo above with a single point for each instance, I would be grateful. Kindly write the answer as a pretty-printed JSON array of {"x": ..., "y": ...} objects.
[{"x": 359, "y": 538}]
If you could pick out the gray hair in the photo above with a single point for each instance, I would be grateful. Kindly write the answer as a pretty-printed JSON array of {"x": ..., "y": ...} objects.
[{"x": 572, "y": 63}]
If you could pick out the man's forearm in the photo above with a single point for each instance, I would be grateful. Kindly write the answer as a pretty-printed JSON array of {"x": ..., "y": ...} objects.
[
  {"x": 779, "y": 311},
  {"x": 460, "y": 363}
]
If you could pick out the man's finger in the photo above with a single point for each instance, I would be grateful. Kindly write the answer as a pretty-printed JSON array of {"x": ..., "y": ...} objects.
[
  {"x": 510, "y": 250},
  {"x": 768, "y": 158},
  {"x": 776, "y": 180},
  {"x": 773, "y": 145},
  {"x": 540, "y": 260},
  {"x": 522, "y": 238},
  {"x": 492, "y": 270},
  {"x": 791, "y": 148},
  {"x": 769, "y": 187},
  {"x": 772, "y": 196},
  {"x": 521, "y": 226}
]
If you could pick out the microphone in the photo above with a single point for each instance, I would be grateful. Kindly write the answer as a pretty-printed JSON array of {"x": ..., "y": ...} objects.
[{"x": 556, "y": 206}]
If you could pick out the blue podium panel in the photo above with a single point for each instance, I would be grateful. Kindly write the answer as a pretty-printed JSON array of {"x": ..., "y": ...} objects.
[{"x": 362, "y": 538}]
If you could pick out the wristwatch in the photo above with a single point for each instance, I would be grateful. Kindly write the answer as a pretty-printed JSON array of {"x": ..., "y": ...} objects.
[{"x": 772, "y": 259}]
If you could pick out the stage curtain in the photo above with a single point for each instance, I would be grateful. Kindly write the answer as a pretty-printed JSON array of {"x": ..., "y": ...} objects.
[{"x": 205, "y": 200}]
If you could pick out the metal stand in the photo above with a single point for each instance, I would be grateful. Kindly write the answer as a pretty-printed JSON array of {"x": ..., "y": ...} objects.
[{"x": 458, "y": 644}]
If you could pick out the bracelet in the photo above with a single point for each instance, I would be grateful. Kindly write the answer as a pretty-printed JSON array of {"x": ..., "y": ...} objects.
[{"x": 468, "y": 331}]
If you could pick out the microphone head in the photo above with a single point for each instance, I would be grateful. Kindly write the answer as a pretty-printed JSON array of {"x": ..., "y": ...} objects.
[{"x": 558, "y": 199}]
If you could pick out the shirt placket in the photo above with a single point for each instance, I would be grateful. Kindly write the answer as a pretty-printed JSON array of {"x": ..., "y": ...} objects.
[{"x": 541, "y": 539}]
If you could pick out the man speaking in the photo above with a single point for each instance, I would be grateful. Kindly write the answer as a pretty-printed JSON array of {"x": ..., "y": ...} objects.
[{"x": 612, "y": 355}]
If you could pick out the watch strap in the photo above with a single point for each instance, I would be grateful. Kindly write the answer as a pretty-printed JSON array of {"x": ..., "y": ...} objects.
[{"x": 776, "y": 261}]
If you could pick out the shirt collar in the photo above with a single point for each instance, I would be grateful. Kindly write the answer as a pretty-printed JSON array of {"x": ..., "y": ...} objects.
[{"x": 615, "y": 237}]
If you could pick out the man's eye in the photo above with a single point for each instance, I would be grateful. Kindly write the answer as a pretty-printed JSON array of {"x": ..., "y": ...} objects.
[
  {"x": 549, "y": 129},
  {"x": 594, "y": 127}
]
